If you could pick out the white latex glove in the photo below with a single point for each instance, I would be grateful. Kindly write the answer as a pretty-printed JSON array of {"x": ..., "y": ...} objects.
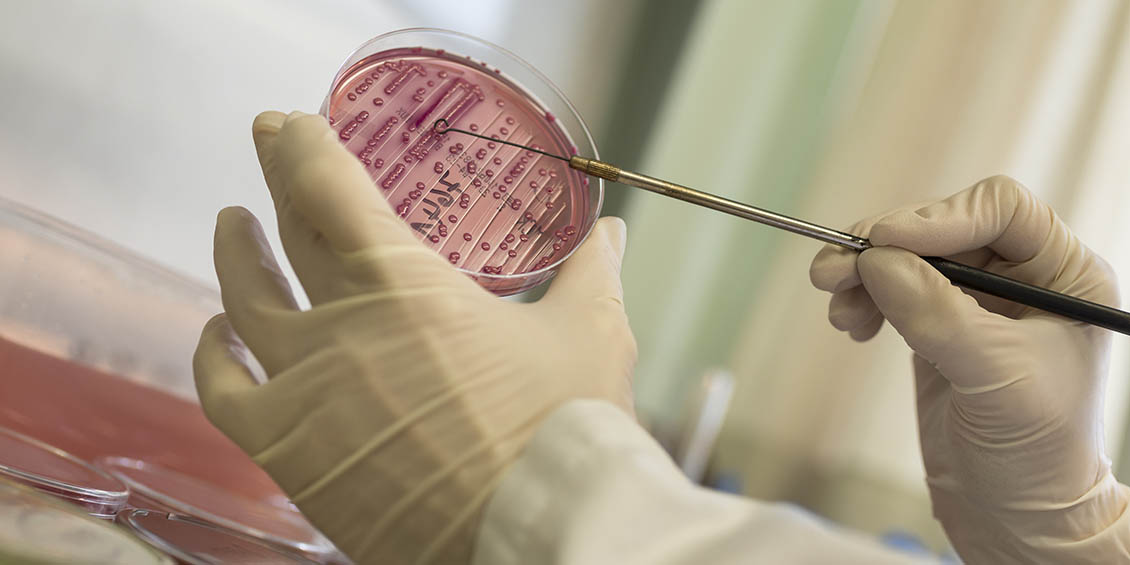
[
  {"x": 395, "y": 403},
  {"x": 1010, "y": 399}
]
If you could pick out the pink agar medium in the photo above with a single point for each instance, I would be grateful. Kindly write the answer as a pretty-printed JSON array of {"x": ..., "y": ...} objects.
[{"x": 384, "y": 107}]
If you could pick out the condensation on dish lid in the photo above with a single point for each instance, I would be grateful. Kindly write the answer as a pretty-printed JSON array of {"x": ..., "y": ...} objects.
[
  {"x": 34, "y": 463},
  {"x": 197, "y": 542},
  {"x": 504, "y": 215},
  {"x": 35, "y": 528},
  {"x": 157, "y": 488}
]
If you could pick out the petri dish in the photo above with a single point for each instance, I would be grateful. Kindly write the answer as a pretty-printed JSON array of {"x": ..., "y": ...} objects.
[
  {"x": 197, "y": 542},
  {"x": 31, "y": 462},
  {"x": 505, "y": 216},
  {"x": 154, "y": 487},
  {"x": 38, "y": 529}
]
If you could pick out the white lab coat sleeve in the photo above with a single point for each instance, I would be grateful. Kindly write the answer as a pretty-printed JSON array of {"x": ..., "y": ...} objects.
[{"x": 593, "y": 487}]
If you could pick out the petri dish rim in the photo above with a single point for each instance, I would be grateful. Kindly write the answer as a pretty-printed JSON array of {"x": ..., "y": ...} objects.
[
  {"x": 317, "y": 545},
  {"x": 541, "y": 274},
  {"x": 110, "y": 498},
  {"x": 127, "y": 519},
  {"x": 30, "y": 496}
]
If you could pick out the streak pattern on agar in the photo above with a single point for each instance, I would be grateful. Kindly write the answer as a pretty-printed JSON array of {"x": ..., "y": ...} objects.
[{"x": 507, "y": 214}]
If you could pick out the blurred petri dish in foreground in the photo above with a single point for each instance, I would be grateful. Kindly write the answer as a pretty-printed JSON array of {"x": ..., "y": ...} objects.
[
  {"x": 505, "y": 216},
  {"x": 37, "y": 529},
  {"x": 31, "y": 462},
  {"x": 197, "y": 542},
  {"x": 157, "y": 488}
]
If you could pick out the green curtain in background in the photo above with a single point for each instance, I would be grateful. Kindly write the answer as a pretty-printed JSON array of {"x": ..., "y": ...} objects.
[
  {"x": 833, "y": 111},
  {"x": 745, "y": 118}
]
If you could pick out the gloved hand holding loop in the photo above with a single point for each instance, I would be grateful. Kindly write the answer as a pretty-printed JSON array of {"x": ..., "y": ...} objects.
[{"x": 1010, "y": 399}]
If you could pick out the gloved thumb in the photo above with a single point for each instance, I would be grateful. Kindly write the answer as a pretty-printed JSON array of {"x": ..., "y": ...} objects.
[
  {"x": 937, "y": 320},
  {"x": 592, "y": 274}
]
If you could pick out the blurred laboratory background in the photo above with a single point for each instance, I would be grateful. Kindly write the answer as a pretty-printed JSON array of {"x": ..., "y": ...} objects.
[{"x": 131, "y": 120}]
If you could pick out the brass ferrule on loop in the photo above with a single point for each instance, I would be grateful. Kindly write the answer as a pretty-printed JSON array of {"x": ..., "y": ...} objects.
[{"x": 595, "y": 168}]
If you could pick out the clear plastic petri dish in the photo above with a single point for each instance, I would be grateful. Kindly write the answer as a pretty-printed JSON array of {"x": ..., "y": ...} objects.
[
  {"x": 38, "y": 529},
  {"x": 196, "y": 542},
  {"x": 31, "y": 462},
  {"x": 156, "y": 488},
  {"x": 505, "y": 216}
]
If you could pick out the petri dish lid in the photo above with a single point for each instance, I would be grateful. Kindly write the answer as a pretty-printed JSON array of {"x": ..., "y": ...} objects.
[
  {"x": 197, "y": 542},
  {"x": 37, "y": 529},
  {"x": 183, "y": 494},
  {"x": 26, "y": 460}
]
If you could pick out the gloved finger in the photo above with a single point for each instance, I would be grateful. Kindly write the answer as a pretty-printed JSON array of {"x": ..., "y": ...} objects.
[
  {"x": 851, "y": 308},
  {"x": 868, "y": 329},
  {"x": 255, "y": 293},
  {"x": 997, "y": 212},
  {"x": 1002, "y": 215},
  {"x": 263, "y": 130},
  {"x": 938, "y": 321},
  {"x": 833, "y": 267},
  {"x": 307, "y": 167},
  {"x": 222, "y": 374},
  {"x": 314, "y": 262},
  {"x": 592, "y": 274}
]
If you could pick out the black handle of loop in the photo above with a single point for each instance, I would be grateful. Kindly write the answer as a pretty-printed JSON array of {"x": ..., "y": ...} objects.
[{"x": 1034, "y": 296}]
